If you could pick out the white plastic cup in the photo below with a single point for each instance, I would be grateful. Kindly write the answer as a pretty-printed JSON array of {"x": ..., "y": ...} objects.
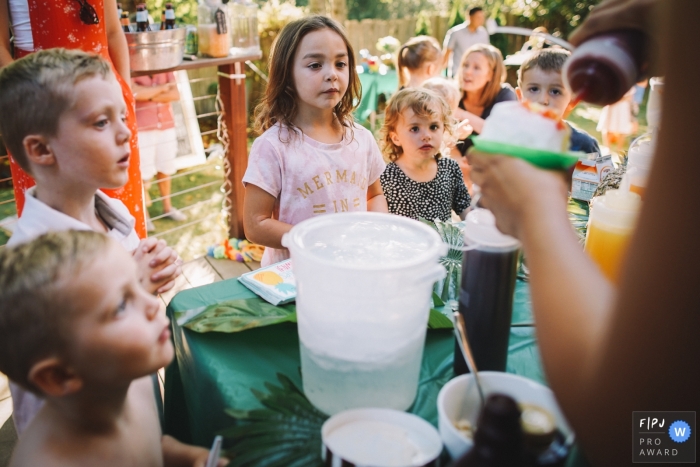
[{"x": 364, "y": 285}]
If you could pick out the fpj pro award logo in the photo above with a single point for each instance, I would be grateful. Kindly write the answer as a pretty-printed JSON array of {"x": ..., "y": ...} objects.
[{"x": 663, "y": 437}]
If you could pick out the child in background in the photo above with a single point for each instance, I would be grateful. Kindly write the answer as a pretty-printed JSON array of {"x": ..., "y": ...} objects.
[
  {"x": 66, "y": 128},
  {"x": 312, "y": 158},
  {"x": 540, "y": 81},
  {"x": 616, "y": 122},
  {"x": 418, "y": 182},
  {"x": 86, "y": 340},
  {"x": 417, "y": 60},
  {"x": 449, "y": 91},
  {"x": 157, "y": 137}
]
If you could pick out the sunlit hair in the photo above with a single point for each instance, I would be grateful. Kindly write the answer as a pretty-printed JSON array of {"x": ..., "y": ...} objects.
[
  {"x": 546, "y": 60},
  {"x": 279, "y": 105},
  {"x": 37, "y": 89},
  {"x": 424, "y": 103},
  {"x": 495, "y": 61},
  {"x": 36, "y": 299},
  {"x": 445, "y": 88},
  {"x": 414, "y": 54}
]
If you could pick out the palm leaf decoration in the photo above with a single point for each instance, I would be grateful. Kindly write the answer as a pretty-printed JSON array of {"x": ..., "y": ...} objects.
[
  {"x": 286, "y": 432},
  {"x": 578, "y": 216},
  {"x": 452, "y": 235}
]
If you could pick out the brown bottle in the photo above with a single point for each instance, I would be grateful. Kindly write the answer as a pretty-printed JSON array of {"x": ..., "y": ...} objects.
[
  {"x": 142, "y": 18},
  {"x": 603, "y": 68},
  {"x": 124, "y": 20},
  {"x": 498, "y": 441},
  {"x": 169, "y": 16},
  {"x": 162, "y": 20}
]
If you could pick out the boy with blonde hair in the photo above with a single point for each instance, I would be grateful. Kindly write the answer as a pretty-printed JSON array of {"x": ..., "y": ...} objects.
[
  {"x": 86, "y": 340},
  {"x": 540, "y": 81},
  {"x": 62, "y": 117}
]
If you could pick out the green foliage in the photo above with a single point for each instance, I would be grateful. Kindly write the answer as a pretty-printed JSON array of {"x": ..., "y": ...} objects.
[
  {"x": 239, "y": 315},
  {"x": 423, "y": 26},
  {"x": 560, "y": 17},
  {"x": 364, "y": 9},
  {"x": 286, "y": 432},
  {"x": 457, "y": 13},
  {"x": 185, "y": 10}
]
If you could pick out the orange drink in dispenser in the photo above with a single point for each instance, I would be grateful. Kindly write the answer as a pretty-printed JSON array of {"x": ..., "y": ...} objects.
[
  {"x": 640, "y": 156},
  {"x": 612, "y": 221}
]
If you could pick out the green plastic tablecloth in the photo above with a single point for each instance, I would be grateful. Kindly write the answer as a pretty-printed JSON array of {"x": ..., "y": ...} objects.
[
  {"x": 213, "y": 371},
  {"x": 374, "y": 84}
]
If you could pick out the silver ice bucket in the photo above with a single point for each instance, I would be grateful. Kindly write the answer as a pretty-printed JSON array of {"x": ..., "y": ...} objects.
[{"x": 156, "y": 50}]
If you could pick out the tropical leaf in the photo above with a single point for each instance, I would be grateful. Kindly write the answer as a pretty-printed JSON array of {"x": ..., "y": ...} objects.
[
  {"x": 438, "y": 320},
  {"x": 453, "y": 235},
  {"x": 286, "y": 432},
  {"x": 578, "y": 216},
  {"x": 239, "y": 315}
]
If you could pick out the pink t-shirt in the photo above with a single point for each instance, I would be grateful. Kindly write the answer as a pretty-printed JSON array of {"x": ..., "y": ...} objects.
[
  {"x": 154, "y": 115},
  {"x": 310, "y": 178}
]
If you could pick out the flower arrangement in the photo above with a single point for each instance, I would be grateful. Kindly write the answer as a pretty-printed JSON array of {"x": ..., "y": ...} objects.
[{"x": 388, "y": 45}]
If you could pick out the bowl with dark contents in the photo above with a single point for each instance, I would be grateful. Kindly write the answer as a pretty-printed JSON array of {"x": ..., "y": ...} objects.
[{"x": 547, "y": 436}]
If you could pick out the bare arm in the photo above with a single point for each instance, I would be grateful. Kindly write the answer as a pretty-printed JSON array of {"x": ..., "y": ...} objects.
[
  {"x": 146, "y": 93},
  {"x": 258, "y": 223},
  {"x": 446, "y": 53},
  {"x": 476, "y": 122},
  {"x": 170, "y": 94},
  {"x": 376, "y": 201},
  {"x": 118, "y": 49},
  {"x": 5, "y": 52},
  {"x": 177, "y": 454}
]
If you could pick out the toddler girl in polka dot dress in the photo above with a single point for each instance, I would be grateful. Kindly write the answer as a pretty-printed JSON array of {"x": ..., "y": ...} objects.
[{"x": 418, "y": 182}]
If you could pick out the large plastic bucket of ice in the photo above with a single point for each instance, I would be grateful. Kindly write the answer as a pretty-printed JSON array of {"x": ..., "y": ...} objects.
[{"x": 364, "y": 286}]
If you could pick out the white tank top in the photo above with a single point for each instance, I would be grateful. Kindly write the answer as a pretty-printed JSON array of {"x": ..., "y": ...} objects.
[{"x": 21, "y": 25}]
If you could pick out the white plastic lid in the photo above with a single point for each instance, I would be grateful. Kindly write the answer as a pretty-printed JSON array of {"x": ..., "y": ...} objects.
[
  {"x": 616, "y": 209},
  {"x": 365, "y": 240},
  {"x": 480, "y": 229},
  {"x": 380, "y": 438},
  {"x": 641, "y": 154}
]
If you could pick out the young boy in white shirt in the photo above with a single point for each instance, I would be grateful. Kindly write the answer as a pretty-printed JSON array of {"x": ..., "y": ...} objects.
[
  {"x": 62, "y": 117},
  {"x": 86, "y": 340}
]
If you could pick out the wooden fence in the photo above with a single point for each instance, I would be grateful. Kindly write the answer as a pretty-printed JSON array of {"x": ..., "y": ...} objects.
[{"x": 365, "y": 34}]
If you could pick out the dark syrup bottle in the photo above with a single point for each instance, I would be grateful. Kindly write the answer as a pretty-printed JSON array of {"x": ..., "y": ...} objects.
[{"x": 603, "y": 68}]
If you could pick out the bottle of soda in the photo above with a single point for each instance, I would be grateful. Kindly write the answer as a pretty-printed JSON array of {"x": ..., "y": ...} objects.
[
  {"x": 119, "y": 10},
  {"x": 142, "y": 18},
  {"x": 603, "y": 68},
  {"x": 169, "y": 16},
  {"x": 162, "y": 20},
  {"x": 124, "y": 20}
]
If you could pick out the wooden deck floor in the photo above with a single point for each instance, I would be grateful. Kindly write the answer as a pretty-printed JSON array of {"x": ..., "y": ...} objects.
[{"x": 201, "y": 271}]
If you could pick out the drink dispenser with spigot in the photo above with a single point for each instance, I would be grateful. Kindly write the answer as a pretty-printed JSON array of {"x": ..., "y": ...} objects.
[
  {"x": 364, "y": 288},
  {"x": 213, "y": 28},
  {"x": 245, "y": 40}
]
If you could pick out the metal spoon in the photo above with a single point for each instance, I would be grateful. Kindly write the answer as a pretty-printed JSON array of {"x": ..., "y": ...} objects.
[{"x": 461, "y": 333}]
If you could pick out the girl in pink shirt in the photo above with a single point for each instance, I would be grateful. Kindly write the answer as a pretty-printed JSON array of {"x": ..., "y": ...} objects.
[{"x": 312, "y": 158}]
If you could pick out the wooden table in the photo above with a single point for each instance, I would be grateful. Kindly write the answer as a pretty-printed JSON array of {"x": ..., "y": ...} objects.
[{"x": 231, "y": 75}]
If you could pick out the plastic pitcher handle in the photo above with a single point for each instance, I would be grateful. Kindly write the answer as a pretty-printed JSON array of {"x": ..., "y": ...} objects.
[
  {"x": 434, "y": 274},
  {"x": 285, "y": 240}
]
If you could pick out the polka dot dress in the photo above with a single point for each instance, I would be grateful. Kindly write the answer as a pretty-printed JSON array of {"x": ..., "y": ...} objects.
[{"x": 430, "y": 200}]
